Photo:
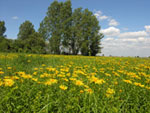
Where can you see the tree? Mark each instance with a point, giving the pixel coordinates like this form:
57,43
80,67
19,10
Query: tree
85,29
35,43
2,28
44,29
76,39
71,32
25,30
56,26
66,24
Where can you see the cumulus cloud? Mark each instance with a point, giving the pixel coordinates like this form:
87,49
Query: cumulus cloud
126,47
147,27
133,34
104,17
111,31
116,43
99,15
113,22
15,17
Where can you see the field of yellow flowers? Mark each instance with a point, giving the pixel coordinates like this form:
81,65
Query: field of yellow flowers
32,83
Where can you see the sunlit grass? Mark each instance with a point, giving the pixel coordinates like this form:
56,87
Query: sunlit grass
58,83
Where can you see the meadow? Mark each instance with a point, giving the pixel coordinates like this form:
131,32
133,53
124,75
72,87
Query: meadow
31,83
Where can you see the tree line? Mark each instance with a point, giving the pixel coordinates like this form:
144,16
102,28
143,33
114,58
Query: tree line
62,31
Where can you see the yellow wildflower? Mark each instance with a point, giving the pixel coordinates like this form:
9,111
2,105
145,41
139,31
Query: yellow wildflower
79,83
81,91
8,82
63,87
35,69
1,83
1,72
138,84
89,90
43,65
128,81
9,68
51,81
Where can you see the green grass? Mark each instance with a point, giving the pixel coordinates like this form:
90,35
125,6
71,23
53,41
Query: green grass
103,90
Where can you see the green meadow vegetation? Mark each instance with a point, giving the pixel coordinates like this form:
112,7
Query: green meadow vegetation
57,83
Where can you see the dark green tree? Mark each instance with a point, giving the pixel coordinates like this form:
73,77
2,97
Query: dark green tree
90,34
76,39
2,28
25,30
35,43
44,29
71,32
56,26
66,24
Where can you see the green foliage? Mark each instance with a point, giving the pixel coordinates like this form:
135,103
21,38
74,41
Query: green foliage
35,44
71,32
25,30
2,28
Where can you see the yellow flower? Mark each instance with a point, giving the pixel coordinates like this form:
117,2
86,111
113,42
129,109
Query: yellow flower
138,84
35,69
81,91
8,82
110,91
9,68
43,65
63,87
35,79
79,83
147,87
72,79
1,83
128,81
14,78
35,73
107,74
26,76
65,79
96,80
89,90
51,81
1,72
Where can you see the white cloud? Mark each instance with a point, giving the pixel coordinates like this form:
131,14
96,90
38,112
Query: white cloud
113,22
133,34
99,15
122,42
111,31
147,27
103,17
125,44
126,47
15,17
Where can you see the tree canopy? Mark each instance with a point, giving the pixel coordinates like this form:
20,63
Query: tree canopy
25,30
2,28
71,32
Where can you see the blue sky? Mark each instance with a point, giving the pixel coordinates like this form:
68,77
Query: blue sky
125,23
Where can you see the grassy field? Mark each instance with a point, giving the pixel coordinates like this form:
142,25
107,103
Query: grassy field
57,83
